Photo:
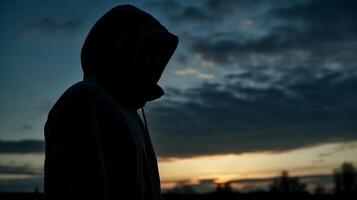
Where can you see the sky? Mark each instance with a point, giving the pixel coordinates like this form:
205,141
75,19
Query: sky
254,88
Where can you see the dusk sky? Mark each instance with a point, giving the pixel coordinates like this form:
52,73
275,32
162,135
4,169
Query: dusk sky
254,88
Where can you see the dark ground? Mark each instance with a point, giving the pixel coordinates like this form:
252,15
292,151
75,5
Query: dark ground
210,196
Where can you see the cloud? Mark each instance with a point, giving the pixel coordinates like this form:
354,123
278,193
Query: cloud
329,18
179,13
317,32
52,26
22,146
182,59
223,7
283,45
165,5
193,13
19,170
20,178
290,84
231,118
186,71
26,127
205,75
21,184
283,31
211,11
281,34
192,71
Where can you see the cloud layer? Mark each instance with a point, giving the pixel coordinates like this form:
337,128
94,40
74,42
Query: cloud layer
22,146
219,119
287,76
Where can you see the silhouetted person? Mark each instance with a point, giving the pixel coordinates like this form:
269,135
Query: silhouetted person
97,146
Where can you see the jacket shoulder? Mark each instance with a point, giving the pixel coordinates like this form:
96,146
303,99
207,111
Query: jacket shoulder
80,97
74,94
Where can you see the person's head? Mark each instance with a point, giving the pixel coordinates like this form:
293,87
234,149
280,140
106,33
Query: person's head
126,51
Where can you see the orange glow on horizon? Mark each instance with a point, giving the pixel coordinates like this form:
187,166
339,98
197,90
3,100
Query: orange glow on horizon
223,168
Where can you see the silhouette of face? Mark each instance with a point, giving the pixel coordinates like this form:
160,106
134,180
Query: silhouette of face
153,64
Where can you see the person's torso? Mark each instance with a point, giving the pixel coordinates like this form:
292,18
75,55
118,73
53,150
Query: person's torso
145,158
139,157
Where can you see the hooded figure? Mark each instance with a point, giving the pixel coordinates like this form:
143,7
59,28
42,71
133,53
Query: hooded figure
97,146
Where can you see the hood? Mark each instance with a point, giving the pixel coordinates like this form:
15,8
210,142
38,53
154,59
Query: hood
126,51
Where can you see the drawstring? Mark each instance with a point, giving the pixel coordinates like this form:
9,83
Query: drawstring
150,157
145,122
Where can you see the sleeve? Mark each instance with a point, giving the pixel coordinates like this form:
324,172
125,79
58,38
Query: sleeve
74,161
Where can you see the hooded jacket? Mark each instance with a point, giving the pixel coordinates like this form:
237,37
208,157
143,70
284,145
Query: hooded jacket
97,146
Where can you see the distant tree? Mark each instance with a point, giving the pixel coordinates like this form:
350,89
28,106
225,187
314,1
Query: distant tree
345,178
223,188
183,189
36,190
286,184
319,189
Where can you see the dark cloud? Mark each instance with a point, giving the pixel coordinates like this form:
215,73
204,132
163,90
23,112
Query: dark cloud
318,22
219,7
328,19
27,178
182,59
323,30
20,170
26,127
51,26
220,119
228,51
293,87
211,11
22,146
232,117
284,44
21,184
193,13
165,5
187,14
